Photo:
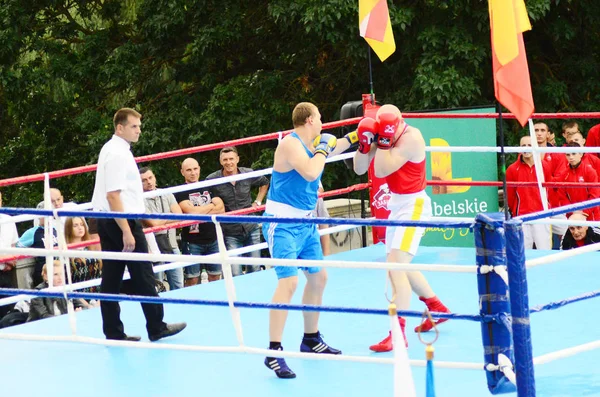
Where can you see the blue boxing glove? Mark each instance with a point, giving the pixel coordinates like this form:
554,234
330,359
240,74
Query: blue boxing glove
325,144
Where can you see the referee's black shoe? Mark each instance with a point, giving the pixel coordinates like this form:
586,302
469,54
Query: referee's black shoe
128,338
170,330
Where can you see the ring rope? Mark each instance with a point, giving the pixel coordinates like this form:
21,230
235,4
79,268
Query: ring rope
175,225
234,349
248,305
279,134
562,255
568,352
564,302
166,266
243,219
214,259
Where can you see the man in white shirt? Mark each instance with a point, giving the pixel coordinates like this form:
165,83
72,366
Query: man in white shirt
118,188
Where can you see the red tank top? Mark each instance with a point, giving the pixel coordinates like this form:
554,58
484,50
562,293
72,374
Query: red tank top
410,178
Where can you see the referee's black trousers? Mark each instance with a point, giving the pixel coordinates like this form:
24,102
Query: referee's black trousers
142,279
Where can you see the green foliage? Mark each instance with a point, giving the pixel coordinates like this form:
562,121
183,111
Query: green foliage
203,71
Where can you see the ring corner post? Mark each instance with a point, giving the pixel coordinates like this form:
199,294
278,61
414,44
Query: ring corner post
494,304
519,302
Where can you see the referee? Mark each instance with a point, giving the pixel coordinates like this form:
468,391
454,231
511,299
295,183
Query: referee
118,188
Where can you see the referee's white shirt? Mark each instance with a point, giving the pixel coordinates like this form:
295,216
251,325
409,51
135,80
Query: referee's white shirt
117,170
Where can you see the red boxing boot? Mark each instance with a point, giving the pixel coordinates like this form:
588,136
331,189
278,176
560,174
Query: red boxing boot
386,345
434,305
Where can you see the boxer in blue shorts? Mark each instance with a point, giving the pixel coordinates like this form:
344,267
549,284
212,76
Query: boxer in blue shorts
298,165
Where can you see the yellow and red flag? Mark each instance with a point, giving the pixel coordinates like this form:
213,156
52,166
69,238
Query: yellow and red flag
376,27
508,21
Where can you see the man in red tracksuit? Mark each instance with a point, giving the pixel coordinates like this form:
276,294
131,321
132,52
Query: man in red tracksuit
525,200
593,138
556,162
578,171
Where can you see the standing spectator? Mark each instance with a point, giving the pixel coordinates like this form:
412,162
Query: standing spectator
578,171
237,195
590,158
593,138
556,162
165,239
578,236
8,238
82,269
525,200
569,128
118,188
200,239
320,211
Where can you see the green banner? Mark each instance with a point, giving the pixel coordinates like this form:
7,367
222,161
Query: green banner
459,201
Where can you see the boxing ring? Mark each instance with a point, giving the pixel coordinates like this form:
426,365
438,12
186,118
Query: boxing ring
220,352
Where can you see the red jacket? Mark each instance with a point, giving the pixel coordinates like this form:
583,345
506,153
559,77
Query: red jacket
584,172
556,163
524,200
593,138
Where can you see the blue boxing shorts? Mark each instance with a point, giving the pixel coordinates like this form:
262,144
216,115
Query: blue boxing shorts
293,241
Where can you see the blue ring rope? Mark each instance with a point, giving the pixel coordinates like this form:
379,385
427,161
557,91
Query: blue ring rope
558,211
564,302
239,218
252,305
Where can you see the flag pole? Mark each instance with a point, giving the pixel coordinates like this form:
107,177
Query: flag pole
502,160
371,75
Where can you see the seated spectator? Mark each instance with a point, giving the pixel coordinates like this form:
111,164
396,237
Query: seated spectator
8,238
58,201
578,236
44,307
34,238
82,269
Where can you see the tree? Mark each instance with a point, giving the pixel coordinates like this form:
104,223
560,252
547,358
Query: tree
205,71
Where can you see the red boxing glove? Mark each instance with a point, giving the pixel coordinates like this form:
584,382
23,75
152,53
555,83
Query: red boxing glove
367,131
388,125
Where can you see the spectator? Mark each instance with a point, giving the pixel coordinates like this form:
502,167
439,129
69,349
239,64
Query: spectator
165,239
82,269
569,128
58,201
578,171
556,162
8,238
44,307
590,158
199,239
237,195
526,200
320,211
35,238
593,138
578,236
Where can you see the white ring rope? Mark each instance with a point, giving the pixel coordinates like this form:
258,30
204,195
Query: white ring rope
214,259
180,188
568,352
562,255
233,349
